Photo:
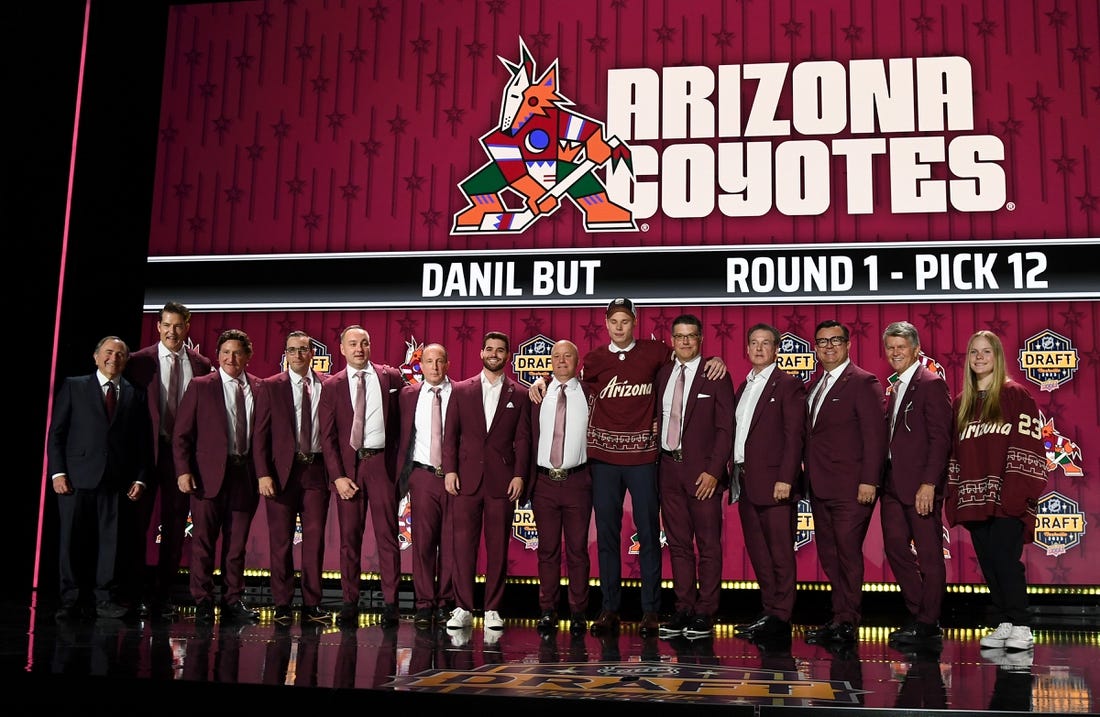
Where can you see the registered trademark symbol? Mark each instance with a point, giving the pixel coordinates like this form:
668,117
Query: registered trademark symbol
1011,206
644,227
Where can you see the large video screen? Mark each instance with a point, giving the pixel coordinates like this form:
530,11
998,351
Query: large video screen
322,164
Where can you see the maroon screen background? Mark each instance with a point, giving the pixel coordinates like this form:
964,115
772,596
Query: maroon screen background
319,127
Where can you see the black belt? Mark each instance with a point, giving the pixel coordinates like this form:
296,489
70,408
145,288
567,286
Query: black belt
306,458
238,460
365,453
560,473
431,469
676,455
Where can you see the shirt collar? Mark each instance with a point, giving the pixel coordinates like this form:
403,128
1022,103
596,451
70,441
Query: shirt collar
615,349
764,375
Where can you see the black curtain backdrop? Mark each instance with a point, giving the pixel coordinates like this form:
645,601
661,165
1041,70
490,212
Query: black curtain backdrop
104,277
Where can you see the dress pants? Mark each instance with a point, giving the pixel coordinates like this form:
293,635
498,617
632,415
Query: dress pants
312,504
228,515
470,516
921,577
563,511
840,525
610,484
694,531
377,489
999,545
769,540
430,539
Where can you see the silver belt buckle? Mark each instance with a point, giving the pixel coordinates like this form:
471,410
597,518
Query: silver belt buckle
678,455
439,472
559,473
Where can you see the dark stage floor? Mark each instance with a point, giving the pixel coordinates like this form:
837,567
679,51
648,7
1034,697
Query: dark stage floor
184,668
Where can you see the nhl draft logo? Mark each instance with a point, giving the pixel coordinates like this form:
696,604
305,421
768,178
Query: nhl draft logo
322,359
796,356
1059,524
531,360
1048,360
541,153
410,367
804,525
523,526
404,523
1060,450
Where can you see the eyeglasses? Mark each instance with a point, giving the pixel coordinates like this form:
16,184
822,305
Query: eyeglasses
685,337
291,350
831,341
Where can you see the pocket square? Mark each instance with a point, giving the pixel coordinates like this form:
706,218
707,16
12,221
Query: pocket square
771,400
394,390
509,405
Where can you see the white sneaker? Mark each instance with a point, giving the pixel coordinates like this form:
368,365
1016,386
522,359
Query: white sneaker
1020,638
459,619
994,639
461,636
493,621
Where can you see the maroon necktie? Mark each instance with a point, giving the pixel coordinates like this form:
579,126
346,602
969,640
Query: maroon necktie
110,400
674,420
240,429
437,428
356,437
557,446
172,401
305,434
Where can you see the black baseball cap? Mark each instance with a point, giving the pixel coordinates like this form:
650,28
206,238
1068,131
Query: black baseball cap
621,304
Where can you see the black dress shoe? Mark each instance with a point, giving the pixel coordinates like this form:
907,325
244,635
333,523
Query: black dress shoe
423,618
390,615
68,612
578,624
315,613
442,614
606,623
917,632
204,612
766,628
110,609
240,612
676,626
750,626
548,622
348,615
822,634
283,615
649,625
845,633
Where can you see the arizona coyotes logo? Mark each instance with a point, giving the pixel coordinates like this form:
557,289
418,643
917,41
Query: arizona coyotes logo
404,523
540,152
1060,450
410,368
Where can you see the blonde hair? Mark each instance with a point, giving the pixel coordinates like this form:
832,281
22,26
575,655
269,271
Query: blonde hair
968,399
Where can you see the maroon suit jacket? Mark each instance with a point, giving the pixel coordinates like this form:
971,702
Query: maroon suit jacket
495,455
707,436
200,444
275,439
847,446
336,413
143,369
773,447
921,443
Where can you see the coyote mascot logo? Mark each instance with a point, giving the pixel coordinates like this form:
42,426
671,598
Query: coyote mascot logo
542,152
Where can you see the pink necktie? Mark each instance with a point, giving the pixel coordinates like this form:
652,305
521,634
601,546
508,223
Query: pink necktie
172,400
110,400
674,420
305,434
557,446
356,438
818,398
436,456
240,430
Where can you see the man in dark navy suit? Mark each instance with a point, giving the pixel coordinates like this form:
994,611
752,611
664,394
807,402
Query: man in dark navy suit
97,456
